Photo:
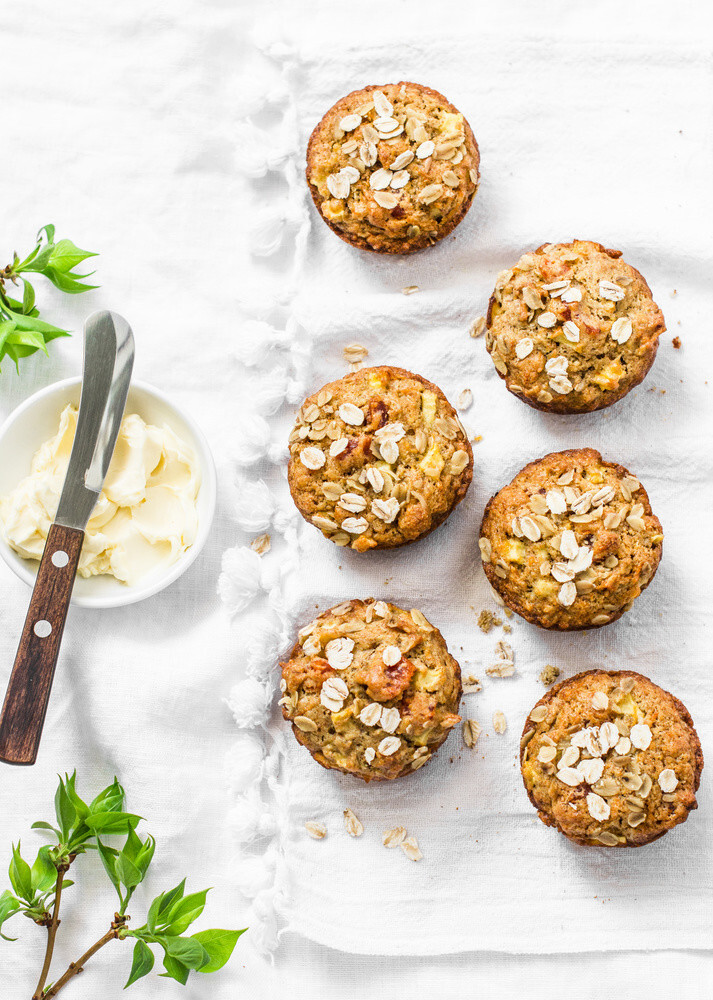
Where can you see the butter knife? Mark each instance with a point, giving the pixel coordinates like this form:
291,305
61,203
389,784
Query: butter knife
108,361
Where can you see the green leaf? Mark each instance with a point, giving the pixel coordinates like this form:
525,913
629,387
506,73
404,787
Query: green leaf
48,230
168,898
67,282
219,944
110,799
41,825
127,872
66,813
142,963
108,857
162,903
133,845
20,875
112,822
145,855
8,906
184,912
174,969
28,297
27,338
66,255
33,323
80,806
37,261
43,871
6,328
188,951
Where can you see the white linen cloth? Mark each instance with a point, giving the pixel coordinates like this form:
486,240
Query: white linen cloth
572,145
121,127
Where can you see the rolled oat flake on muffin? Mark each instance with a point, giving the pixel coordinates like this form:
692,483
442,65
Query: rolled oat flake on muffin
610,759
571,541
386,711
393,168
378,459
572,328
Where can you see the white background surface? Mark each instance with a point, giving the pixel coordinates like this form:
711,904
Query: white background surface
118,128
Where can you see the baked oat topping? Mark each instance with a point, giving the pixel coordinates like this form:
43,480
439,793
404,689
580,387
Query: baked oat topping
571,541
371,689
378,459
572,327
401,175
611,759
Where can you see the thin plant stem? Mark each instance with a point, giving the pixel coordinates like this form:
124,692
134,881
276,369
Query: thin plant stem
76,967
51,933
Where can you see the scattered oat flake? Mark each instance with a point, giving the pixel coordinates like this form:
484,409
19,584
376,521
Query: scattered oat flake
471,684
499,723
505,668
261,544
352,825
471,732
486,620
549,674
411,849
393,837
464,399
354,353
318,831
478,327
410,289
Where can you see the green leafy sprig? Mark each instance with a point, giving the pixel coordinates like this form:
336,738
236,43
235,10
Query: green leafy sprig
37,891
22,332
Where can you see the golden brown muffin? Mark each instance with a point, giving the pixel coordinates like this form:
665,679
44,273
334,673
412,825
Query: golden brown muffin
610,759
393,168
572,327
371,689
571,541
378,459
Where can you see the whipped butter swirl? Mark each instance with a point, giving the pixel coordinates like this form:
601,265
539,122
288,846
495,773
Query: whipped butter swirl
145,516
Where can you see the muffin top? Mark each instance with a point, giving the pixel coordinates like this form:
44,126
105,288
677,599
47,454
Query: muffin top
611,759
378,459
392,168
371,689
572,327
571,541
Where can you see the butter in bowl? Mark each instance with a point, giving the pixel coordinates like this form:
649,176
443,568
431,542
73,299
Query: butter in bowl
153,514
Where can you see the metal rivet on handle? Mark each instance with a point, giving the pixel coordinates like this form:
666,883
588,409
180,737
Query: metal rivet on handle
60,558
42,628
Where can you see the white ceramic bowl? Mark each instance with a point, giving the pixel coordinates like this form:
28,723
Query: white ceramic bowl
36,420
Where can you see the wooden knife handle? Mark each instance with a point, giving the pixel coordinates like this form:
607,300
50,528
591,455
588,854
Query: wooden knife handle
28,691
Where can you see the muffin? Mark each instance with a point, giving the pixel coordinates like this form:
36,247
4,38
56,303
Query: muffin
371,690
571,541
572,327
610,759
378,459
392,168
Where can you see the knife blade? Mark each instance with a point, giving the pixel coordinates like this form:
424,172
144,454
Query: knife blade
108,363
